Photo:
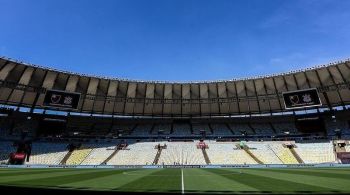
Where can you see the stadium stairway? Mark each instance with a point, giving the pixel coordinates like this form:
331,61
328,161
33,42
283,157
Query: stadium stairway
191,129
284,154
156,158
252,128
211,129
66,157
133,129
273,128
172,128
110,157
152,128
228,127
78,156
296,156
206,157
246,149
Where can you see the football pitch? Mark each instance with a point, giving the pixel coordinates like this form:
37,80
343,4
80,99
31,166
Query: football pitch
186,180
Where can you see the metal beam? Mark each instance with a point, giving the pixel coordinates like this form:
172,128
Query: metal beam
276,91
19,78
104,102
246,94
324,93
264,85
256,95
239,109
333,80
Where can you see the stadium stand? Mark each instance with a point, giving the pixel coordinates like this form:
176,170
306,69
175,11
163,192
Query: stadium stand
78,155
227,153
283,153
174,115
198,128
222,129
184,153
47,153
181,129
241,128
263,152
99,154
5,149
262,128
142,130
140,153
316,152
164,128
281,128
347,148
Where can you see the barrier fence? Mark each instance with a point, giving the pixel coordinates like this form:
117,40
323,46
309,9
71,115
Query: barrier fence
324,165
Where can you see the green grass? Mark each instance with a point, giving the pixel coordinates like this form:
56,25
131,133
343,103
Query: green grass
302,180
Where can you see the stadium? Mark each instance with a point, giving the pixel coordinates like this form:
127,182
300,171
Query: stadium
283,133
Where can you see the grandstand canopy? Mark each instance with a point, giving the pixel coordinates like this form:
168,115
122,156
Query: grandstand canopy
25,85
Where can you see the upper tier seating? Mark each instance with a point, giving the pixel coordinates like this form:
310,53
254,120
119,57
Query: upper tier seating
124,128
221,130
339,124
281,128
238,128
166,128
262,129
181,129
197,128
142,130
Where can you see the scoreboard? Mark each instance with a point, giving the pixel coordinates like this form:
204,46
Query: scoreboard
301,98
61,99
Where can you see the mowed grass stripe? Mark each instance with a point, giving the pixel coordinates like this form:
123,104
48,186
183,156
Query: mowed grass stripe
30,172
196,180
202,181
112,181
332,184
67,178
265,183
162,180
332,170
21,178
313,173
17,170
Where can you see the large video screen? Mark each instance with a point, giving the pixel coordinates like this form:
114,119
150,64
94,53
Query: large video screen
61,99
301,99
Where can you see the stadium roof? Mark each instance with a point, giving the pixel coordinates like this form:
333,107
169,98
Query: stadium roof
24,84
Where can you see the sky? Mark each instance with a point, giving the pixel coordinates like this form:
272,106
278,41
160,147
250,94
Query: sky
175,40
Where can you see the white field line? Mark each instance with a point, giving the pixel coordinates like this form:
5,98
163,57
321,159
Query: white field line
182,182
